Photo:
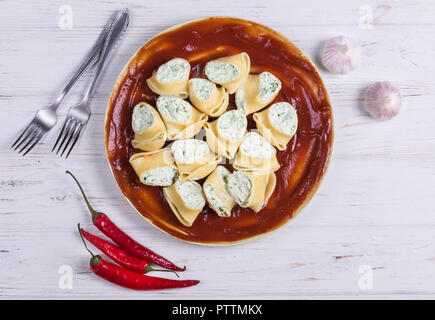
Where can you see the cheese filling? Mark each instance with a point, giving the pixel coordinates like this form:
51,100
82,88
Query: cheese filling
191,193
160,176
255,145
239,186
211,195
268,87
174,109
232,125
283,117
188,151
142,118
176,69
221,72
203,88
240,100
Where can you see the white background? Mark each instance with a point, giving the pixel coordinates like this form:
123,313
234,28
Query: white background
375,206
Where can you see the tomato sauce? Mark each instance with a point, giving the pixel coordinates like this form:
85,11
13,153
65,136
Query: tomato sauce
303,162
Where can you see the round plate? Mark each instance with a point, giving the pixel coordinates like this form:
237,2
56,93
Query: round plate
303,163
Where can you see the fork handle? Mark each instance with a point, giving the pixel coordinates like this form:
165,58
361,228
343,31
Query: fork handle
113,37
89,60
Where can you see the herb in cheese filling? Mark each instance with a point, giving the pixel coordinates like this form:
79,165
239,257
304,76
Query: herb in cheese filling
255,145
176,69
221,72
174,109
142,118
240,100
283,117
232,125
213,199
203,88
268,87
188,151
239,186
160,176
211,195
191,193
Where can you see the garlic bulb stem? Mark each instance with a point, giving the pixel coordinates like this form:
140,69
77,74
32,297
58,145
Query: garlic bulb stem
383,100
340,55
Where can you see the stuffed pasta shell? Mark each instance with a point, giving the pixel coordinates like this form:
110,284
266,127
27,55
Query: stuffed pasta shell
256,154
251,189
257,92
216,193
185,199
277,124
230,72
207,98
225,134
150,131
156,168
194,158
171,78
182,120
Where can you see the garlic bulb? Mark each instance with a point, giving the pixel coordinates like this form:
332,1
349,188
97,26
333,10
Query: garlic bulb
340,55
383,100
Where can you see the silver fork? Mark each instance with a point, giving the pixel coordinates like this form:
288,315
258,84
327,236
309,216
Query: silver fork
78,115
46,118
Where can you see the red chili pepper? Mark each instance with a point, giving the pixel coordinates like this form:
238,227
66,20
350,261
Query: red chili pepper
133,280
102,222
130,279
118,255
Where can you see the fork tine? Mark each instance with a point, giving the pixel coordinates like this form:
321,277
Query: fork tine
24,135
60,135
32,135
72,131
67,129
27,137
77,135
38,138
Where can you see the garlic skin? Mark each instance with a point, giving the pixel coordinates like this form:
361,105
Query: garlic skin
383,100
340,55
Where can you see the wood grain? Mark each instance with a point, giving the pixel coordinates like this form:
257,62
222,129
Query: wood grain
375,207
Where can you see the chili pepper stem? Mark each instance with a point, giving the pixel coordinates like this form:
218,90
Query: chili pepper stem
94,213
83,239
149,269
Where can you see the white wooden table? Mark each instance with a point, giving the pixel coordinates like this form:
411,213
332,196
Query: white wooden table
369,231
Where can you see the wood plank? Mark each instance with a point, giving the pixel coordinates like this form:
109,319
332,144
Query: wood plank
374,208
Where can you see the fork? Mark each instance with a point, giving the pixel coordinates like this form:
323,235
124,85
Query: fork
46,117
79,115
